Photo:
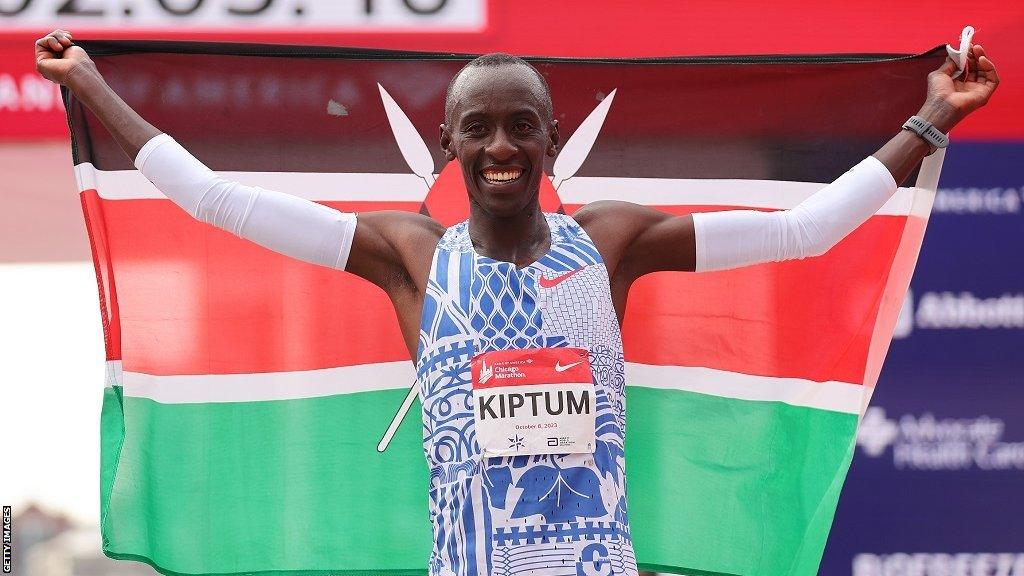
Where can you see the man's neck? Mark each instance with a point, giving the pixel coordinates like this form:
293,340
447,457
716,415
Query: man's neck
521,239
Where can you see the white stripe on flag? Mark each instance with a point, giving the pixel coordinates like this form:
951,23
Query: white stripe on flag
132,185
115,375
767,194
191,389
198,388
831,395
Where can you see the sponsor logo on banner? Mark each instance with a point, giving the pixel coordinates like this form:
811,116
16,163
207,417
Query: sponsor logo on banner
972,201
28,92
959,311
939,564
926,443
405,15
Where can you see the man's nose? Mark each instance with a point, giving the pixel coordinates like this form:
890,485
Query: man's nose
501,147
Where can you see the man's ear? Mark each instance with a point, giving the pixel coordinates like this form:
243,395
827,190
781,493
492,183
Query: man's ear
446,143
553,139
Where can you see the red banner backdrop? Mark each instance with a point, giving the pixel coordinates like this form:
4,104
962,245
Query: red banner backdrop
29,108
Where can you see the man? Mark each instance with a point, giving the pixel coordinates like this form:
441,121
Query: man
512,317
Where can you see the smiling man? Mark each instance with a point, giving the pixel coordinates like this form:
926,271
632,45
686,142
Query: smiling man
512,317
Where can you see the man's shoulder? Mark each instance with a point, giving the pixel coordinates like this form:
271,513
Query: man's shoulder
405,224
408,236
615,225
611,212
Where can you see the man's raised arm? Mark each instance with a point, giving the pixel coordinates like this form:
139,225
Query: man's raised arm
644,240
281,222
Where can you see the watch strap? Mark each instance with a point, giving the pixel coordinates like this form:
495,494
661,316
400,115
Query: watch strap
926,130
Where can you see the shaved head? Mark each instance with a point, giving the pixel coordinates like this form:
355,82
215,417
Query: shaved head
499,126
516,65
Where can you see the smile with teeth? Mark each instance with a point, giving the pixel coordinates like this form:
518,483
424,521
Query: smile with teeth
501,176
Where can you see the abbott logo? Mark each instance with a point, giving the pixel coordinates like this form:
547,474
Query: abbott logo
876,432
959,311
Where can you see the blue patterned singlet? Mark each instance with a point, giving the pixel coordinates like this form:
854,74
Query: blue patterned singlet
521,515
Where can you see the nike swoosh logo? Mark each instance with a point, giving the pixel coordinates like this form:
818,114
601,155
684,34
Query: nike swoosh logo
560,368
552,282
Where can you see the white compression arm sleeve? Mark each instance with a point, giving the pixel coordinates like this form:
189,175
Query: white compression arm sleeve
281,222
735,238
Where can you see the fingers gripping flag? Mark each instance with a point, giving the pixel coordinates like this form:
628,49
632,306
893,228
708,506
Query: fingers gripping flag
252,415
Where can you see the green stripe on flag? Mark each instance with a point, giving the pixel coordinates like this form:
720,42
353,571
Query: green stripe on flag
248,486
747,485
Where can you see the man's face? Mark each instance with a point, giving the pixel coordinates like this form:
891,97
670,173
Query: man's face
500,132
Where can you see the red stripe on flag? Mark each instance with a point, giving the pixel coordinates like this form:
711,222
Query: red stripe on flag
895,291
809,319
95,226
196,300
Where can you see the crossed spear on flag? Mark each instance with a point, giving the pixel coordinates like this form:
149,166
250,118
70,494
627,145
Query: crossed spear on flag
417,156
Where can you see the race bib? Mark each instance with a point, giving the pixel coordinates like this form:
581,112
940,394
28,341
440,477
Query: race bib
534,401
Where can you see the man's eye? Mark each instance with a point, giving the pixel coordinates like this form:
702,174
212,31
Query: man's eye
476,129
523,127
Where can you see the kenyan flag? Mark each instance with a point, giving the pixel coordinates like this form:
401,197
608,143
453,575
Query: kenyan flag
249,416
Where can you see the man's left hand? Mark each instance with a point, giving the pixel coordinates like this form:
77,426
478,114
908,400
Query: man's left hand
949,101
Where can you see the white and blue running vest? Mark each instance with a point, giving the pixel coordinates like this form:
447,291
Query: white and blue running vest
544,515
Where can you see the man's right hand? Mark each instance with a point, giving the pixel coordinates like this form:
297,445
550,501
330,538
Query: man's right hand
57,57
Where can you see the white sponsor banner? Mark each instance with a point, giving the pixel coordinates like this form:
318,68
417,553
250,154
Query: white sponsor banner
377,15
